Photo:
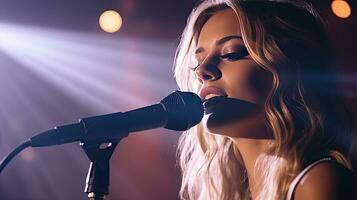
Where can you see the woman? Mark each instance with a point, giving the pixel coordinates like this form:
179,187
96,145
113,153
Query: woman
274,127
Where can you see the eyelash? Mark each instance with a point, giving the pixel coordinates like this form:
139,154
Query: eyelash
234,56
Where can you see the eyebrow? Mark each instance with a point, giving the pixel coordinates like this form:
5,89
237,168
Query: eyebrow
219,42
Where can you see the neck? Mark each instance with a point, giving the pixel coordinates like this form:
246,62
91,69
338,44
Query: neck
251,149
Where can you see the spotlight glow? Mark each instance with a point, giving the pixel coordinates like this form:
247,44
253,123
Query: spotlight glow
101,71
110,21
341,8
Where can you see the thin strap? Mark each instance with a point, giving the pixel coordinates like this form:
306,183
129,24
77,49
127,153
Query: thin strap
297,179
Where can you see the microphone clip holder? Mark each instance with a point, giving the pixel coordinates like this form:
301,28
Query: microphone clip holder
99,150
97,181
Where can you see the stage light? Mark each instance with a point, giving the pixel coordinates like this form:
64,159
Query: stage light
341,8
110,21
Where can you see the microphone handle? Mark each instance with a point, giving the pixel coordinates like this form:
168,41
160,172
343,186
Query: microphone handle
104,128
118,125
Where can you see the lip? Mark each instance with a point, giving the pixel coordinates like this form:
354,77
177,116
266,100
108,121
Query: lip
211,90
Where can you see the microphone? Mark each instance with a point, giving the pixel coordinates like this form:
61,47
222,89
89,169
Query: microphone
178,111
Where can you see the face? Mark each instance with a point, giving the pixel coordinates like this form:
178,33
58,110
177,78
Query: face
227,70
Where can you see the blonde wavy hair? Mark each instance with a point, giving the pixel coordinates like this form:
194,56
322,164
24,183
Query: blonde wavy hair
302,109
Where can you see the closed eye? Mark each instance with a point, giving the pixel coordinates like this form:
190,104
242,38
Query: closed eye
235,55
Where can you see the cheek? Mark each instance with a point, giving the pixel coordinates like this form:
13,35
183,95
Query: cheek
249,82
260,81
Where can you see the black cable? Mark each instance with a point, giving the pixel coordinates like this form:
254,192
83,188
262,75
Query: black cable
9,157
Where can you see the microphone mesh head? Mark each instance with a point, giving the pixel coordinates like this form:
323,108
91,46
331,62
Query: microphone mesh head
184,110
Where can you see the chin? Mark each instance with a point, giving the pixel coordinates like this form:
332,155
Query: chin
251,126
218,124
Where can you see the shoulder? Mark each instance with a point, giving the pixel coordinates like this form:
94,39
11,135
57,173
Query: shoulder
327,181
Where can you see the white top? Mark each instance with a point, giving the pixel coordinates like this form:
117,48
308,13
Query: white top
290,194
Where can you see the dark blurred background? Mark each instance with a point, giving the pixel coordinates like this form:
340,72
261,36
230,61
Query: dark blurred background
57,66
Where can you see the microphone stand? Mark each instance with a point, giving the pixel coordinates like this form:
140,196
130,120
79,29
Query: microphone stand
100,150
97,181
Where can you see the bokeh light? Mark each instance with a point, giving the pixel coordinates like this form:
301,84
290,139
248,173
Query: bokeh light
110,21
341,8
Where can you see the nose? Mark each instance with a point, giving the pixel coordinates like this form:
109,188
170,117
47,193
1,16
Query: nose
208,71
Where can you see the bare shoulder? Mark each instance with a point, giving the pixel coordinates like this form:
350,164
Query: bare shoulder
327,181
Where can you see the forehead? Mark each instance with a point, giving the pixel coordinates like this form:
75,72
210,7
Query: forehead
221,24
